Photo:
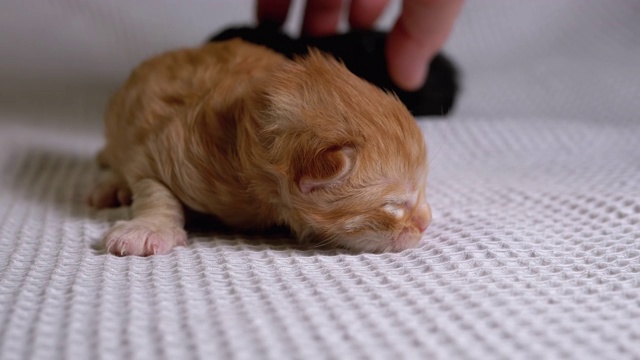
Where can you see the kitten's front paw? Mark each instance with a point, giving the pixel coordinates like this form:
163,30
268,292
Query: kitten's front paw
141,238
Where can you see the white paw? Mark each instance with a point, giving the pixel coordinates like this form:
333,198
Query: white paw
142,238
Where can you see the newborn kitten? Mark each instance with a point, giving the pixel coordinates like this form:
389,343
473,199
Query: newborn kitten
238,131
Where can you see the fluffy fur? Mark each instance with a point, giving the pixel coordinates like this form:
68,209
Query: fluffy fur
237,131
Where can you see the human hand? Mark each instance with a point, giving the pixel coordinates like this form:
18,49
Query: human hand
418,34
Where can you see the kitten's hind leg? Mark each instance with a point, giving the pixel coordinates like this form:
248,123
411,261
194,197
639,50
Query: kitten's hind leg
113,191
157,225
101,158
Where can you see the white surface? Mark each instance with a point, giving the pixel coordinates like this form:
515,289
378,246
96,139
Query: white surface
534,251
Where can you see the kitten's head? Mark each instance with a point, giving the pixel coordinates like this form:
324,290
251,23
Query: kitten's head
351,159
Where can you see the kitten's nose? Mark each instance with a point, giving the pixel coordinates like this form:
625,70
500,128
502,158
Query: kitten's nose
422,217
420,224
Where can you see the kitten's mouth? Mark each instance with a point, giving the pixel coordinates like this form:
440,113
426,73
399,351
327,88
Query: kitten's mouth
407,239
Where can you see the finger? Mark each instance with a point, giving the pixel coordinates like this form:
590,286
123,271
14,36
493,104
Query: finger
364,13
321,17
419,33
273,11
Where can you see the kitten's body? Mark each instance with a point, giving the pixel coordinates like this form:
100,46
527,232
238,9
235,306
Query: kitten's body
240,132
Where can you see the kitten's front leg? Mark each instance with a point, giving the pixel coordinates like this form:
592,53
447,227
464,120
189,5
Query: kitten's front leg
157,224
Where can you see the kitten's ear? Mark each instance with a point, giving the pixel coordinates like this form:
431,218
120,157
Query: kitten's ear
326,169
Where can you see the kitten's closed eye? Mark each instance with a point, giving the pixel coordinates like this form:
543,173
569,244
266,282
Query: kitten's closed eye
397,209
420,214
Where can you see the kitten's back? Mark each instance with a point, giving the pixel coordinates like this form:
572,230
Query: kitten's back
161,89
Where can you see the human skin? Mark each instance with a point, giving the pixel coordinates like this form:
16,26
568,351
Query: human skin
418,34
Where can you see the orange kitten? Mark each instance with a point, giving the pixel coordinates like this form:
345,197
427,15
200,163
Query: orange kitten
237,131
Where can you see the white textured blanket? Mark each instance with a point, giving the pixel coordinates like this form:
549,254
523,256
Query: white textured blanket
534,251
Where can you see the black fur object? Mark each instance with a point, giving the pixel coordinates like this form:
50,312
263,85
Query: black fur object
363,54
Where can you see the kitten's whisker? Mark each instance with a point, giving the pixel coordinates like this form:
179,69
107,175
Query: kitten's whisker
322,244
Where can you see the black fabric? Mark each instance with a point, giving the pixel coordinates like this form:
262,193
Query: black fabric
363,54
